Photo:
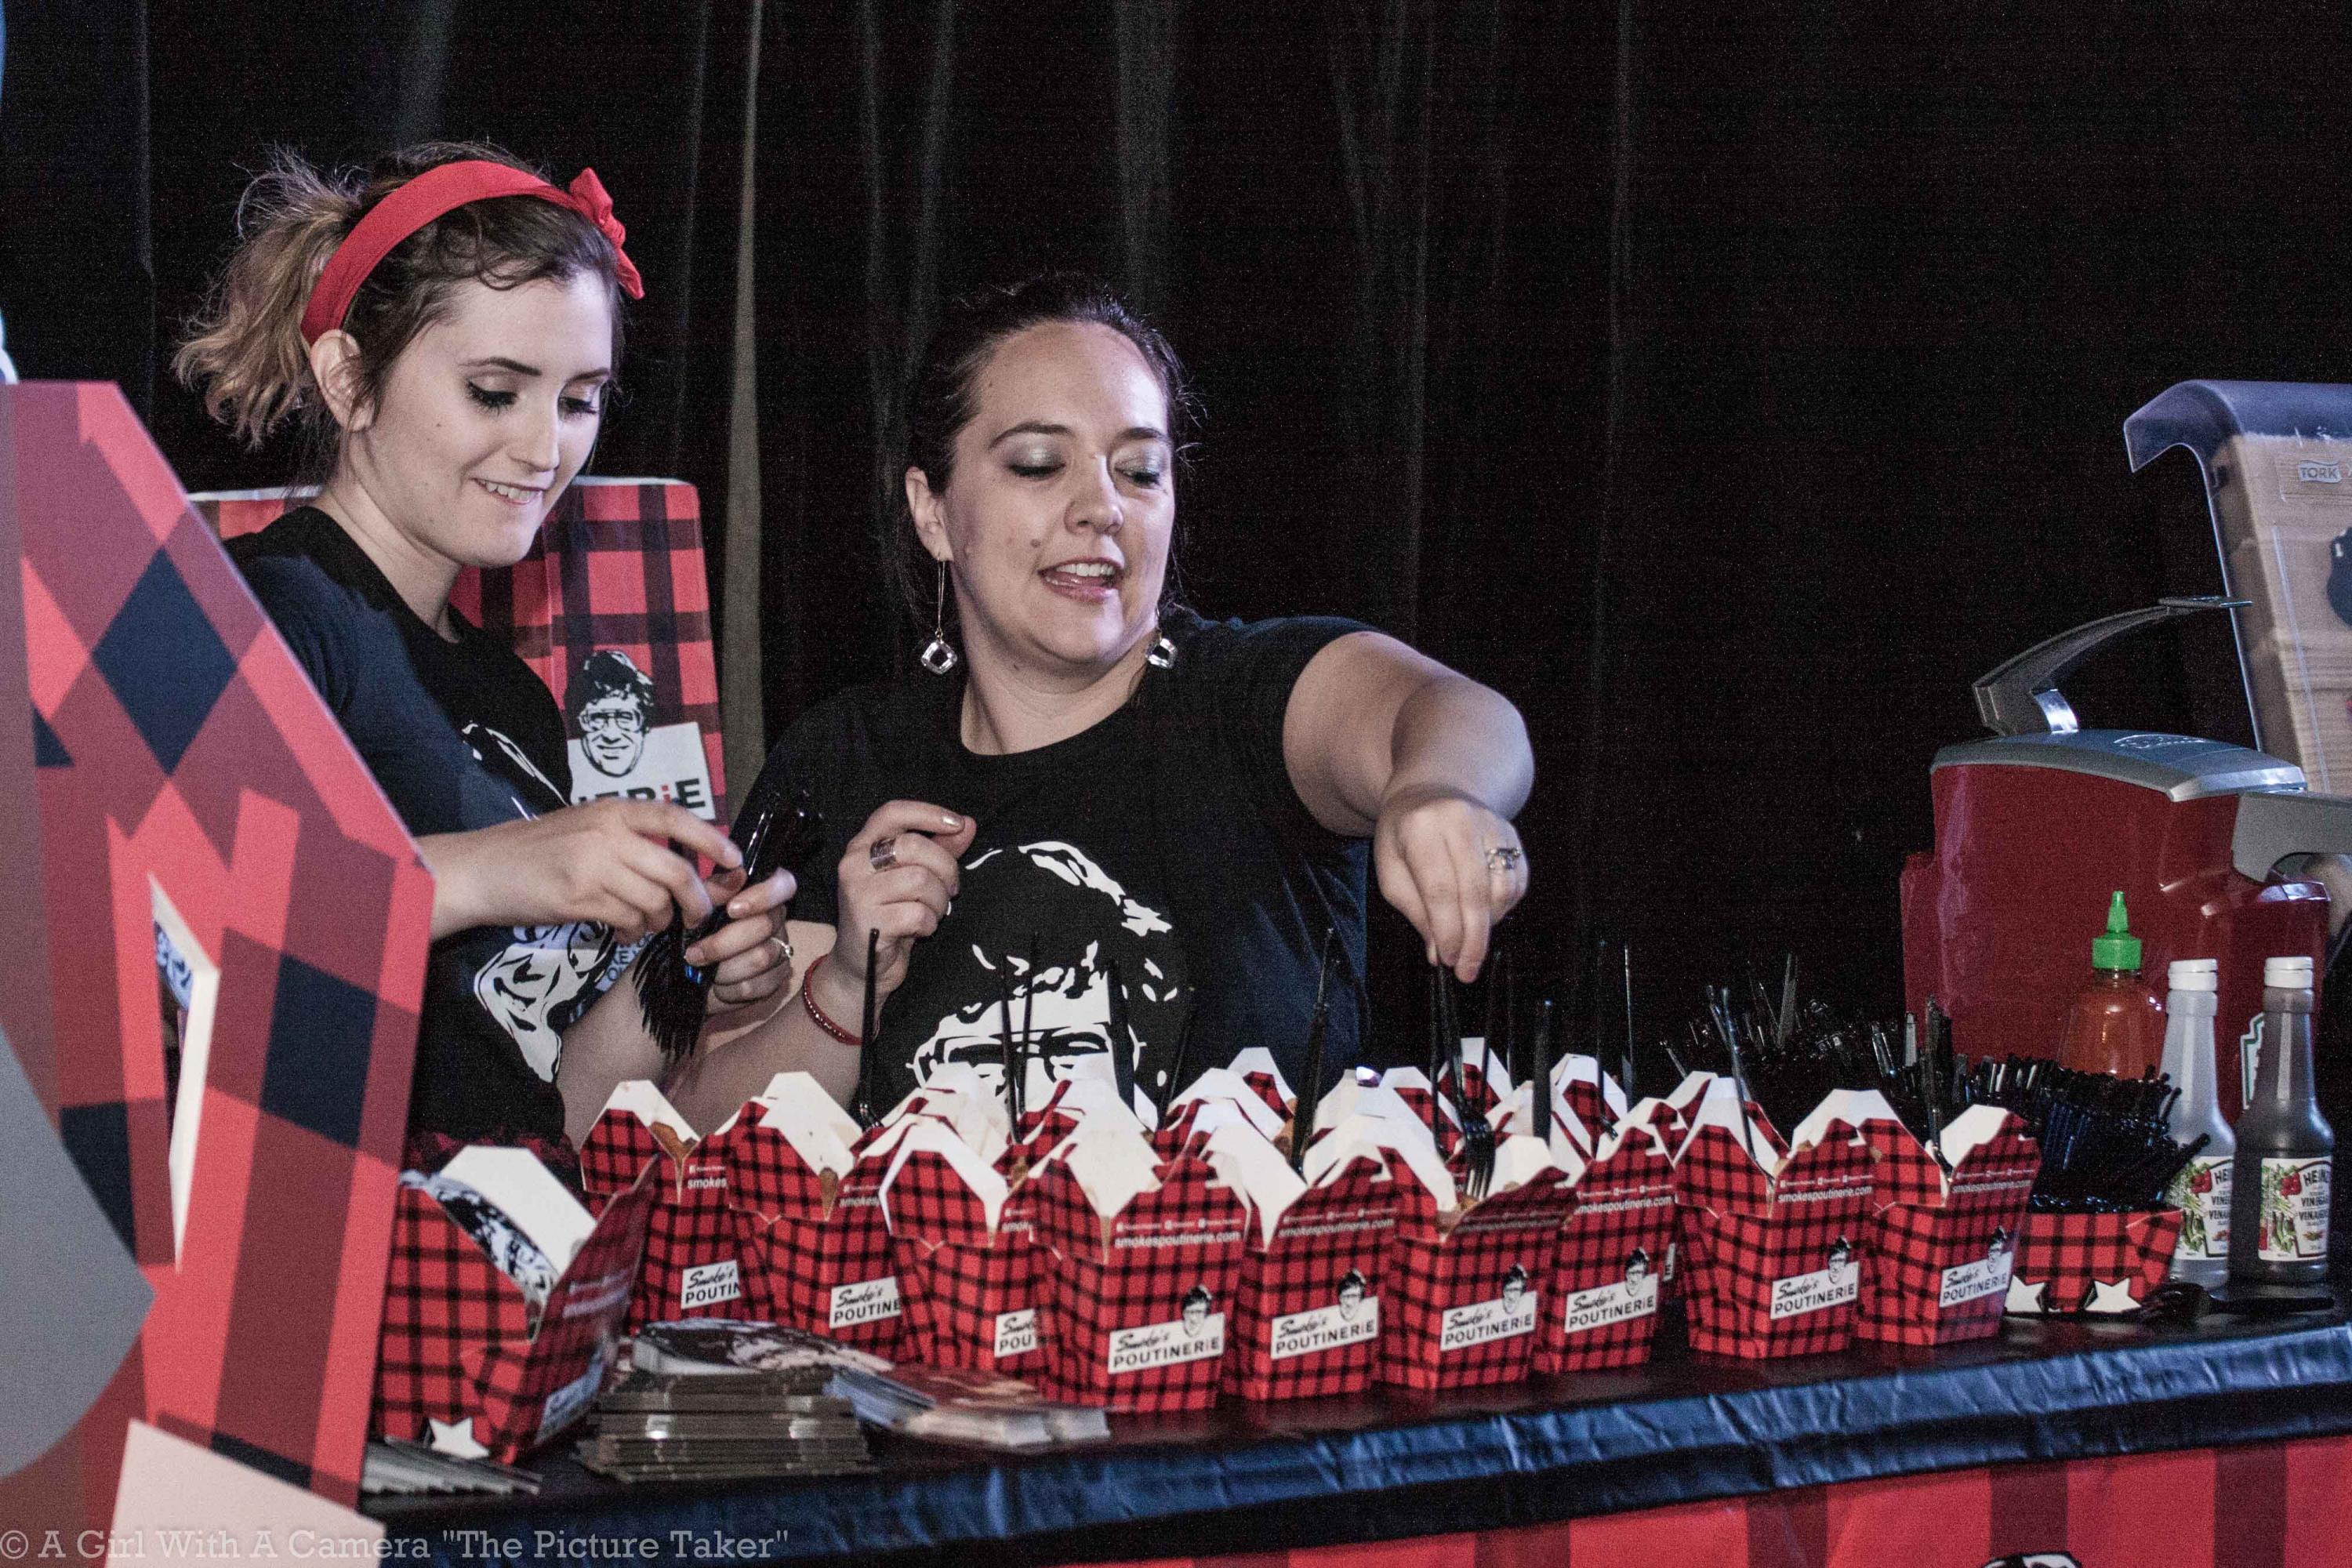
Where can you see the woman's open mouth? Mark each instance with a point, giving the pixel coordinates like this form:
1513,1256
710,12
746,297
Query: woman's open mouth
1089,581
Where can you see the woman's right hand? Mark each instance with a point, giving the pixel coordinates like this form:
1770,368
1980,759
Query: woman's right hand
609,861
905,900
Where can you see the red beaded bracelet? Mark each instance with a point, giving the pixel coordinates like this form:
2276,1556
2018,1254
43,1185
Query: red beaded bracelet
808,1000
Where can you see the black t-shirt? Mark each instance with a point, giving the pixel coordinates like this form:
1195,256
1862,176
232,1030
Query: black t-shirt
461,735
1167,837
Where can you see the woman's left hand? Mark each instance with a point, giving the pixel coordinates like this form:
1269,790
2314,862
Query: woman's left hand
752,958
1452,868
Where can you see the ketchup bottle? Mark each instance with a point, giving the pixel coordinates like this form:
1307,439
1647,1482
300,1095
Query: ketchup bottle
2117,1022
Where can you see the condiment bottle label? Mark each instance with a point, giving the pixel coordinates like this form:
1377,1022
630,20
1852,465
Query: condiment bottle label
2294,1210
2201,1192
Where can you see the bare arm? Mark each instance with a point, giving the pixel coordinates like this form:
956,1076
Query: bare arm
1385,742
739,1053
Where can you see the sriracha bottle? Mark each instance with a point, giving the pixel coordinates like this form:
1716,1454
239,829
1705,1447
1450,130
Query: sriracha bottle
2117,1022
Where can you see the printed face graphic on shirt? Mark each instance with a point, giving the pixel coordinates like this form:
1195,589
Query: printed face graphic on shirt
1351,1296
1637,1265
1197,1303
541,982
616,710
1084,919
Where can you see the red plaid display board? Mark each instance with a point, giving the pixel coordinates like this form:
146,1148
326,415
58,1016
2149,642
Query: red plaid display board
188,778
1783,1276
1139,1307
969,1293
2093,1262
1307,1314
619,566
693,1264
815,1252
1465,1295
1600,1299
1940,1258
458,1342
2266,1505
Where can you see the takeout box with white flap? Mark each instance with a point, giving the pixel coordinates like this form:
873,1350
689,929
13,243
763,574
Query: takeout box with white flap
1941,1243
1306,1311
1601,1303
1137,1294
1466,1278
963,1243
504,1304
693,1257
805,1188
1774,1244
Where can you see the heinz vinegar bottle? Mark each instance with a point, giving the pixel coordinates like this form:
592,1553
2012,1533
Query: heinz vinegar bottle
2202,1191
2286,1162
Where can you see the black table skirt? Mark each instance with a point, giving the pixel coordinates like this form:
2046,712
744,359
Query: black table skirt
1382,1466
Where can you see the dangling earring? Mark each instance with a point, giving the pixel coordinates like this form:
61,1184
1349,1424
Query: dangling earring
939,655
1162,655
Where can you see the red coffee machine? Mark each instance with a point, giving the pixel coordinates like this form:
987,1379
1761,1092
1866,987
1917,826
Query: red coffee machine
2037,826
2219,850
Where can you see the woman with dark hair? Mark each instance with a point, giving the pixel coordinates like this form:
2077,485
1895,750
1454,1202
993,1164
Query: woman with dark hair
444,331
1091,785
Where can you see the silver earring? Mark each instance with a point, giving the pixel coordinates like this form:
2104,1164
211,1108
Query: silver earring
1162,655
939,655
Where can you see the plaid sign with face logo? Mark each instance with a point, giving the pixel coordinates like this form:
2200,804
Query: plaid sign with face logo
612,609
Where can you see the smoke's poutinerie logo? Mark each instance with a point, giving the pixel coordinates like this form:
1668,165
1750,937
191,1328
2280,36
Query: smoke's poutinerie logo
1352,1318
1635,1296
1198,1335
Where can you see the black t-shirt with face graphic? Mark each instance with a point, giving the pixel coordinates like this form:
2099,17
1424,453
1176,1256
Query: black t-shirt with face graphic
461,735
1167,837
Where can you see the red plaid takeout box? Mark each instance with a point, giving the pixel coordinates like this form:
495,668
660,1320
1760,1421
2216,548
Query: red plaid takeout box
467,1361
2092,1262
1137,1294
1775,1253
1600,1303
1940,1247
693,1266
1307,1314
1578,1085
963,1243
1466,1281
805,1188
1217,1098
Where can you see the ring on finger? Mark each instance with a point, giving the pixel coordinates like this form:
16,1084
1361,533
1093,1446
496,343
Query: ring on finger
1505,858
783,946
883,852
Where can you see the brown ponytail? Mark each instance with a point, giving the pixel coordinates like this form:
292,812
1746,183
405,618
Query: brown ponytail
244,351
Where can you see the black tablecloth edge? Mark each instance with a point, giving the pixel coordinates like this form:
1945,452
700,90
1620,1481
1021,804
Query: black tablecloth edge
1489,1471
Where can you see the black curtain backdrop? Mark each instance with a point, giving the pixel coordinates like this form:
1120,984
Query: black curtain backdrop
1728,385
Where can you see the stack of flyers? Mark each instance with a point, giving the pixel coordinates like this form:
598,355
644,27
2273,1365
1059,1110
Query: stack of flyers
715,1425
396,1466
712,1347
950,1404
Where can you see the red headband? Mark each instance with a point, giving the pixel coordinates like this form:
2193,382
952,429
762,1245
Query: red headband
428,197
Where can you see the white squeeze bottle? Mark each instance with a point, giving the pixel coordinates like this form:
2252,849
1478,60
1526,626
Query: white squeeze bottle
2202,1191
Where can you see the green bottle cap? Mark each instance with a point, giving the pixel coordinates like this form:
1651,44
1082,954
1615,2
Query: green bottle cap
2118,949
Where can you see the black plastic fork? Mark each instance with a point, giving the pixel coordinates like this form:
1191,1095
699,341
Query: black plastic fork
1478,1132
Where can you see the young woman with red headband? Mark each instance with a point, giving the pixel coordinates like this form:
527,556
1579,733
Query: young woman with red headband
444,332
